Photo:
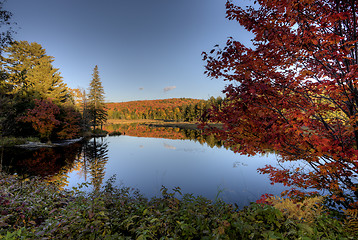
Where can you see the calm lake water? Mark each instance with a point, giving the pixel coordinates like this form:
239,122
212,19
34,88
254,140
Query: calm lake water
148,163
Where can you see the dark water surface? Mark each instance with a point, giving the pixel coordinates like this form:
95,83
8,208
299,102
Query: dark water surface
147,164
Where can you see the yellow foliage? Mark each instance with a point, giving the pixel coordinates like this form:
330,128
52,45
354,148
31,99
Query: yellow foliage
351,222
306,211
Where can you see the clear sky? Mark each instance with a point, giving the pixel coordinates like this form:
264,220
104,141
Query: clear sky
144,49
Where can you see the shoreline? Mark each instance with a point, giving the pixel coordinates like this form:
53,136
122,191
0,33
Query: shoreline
35,145
162,123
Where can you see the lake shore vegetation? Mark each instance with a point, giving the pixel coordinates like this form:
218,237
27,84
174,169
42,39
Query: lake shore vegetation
295,91
33,209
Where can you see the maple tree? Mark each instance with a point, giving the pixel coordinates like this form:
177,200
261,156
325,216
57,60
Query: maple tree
294,91
43,117
52,121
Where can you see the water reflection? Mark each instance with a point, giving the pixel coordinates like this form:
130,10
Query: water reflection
148,163
94,159
169,146
51,164
143,130
88,159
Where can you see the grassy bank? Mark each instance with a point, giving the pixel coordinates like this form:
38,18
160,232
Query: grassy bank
31,209
160,123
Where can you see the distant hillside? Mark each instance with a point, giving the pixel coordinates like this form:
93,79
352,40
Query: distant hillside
171,109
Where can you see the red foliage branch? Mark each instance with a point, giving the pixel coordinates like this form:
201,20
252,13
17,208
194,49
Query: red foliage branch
42,117
49,119
295,91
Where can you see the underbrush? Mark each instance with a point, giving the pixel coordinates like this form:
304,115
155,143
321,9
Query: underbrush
32,209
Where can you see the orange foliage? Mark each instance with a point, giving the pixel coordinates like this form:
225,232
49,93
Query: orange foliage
149,109
42,117
146,131
49,119
295,90
70,123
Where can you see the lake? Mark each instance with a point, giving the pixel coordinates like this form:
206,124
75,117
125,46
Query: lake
148,163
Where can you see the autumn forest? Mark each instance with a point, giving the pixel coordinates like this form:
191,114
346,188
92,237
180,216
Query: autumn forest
291,94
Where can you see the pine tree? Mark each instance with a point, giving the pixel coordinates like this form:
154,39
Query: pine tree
30,72
96,103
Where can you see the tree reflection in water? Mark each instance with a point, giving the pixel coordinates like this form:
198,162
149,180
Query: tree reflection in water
50,164
88,158
55,164
94,159
142,130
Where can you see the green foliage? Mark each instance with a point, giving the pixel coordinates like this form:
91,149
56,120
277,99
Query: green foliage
31,209
32,90
30,72
96,107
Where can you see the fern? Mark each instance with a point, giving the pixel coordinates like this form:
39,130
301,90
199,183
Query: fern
306,211
351,222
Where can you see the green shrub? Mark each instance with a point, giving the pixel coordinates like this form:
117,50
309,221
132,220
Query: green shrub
33,209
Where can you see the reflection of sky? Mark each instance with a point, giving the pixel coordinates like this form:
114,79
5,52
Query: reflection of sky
149,163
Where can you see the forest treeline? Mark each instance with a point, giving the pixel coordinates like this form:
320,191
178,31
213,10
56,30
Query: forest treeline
36,102
176,109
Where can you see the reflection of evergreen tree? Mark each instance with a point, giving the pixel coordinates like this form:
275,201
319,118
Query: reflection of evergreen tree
198,136
95,159
210,140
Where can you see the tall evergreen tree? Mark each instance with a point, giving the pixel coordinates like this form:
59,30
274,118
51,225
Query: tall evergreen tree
96,102
30,72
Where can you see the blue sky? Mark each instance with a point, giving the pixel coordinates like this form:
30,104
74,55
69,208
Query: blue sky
145,49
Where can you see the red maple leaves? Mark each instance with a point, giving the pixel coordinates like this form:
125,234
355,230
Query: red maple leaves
46,117
294,91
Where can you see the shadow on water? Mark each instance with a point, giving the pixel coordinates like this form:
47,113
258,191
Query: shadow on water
55,164
43,162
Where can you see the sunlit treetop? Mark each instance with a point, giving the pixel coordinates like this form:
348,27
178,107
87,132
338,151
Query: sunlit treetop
30,70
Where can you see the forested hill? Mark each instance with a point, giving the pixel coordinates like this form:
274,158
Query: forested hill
186,109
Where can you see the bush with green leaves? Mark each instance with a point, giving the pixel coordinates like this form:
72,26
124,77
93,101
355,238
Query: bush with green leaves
33,209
